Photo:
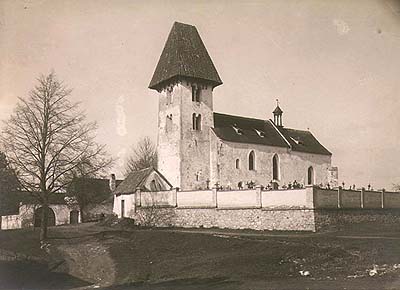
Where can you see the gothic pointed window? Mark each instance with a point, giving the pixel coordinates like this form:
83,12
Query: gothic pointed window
275,168
252,161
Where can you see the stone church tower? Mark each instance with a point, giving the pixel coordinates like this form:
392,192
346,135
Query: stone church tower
185,77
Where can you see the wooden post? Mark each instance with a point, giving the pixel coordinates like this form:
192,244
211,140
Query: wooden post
383,198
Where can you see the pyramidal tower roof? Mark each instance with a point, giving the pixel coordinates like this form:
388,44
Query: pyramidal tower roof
184,55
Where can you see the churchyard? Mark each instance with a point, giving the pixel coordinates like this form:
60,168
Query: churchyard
118,255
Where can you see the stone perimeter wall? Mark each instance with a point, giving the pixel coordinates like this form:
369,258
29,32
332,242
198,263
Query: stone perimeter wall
255,219
309,209
336,218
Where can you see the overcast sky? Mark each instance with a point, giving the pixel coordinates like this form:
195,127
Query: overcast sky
334,65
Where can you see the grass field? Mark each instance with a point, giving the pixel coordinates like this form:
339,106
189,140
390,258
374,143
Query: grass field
117,258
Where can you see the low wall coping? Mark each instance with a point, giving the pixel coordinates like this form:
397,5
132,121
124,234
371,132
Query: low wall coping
238,208
195,207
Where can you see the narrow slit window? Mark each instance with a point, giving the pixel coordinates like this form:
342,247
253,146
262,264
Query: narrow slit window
237,164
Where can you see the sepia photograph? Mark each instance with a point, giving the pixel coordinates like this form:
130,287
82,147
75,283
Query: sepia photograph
210,144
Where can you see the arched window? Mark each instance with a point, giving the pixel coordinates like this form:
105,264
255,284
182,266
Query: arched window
310,175
237,164
252,161
275,168
196,122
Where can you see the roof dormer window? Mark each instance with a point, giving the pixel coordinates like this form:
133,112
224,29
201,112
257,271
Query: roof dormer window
296,140
260,133
237,129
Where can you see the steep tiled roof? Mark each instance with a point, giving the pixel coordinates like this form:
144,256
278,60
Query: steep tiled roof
303,141
224,128
139,179
184,55
264,132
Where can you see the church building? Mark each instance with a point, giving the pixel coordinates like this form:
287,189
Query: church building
199,148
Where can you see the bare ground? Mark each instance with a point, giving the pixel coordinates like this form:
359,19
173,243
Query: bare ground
120,258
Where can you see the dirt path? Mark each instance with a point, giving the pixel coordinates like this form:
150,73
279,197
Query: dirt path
236,233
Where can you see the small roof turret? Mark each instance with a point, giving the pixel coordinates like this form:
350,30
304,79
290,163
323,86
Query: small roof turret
278,115
184,56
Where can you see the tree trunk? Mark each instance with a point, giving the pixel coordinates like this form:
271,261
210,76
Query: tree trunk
43,226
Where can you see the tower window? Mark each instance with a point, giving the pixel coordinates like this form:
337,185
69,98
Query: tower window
252,160
168,123
275,167
196,93
237,164
169,95
196,122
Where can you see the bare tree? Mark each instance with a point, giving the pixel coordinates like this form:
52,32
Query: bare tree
144,155
47,138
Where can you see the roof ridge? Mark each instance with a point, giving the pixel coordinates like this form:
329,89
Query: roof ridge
300,130
241,117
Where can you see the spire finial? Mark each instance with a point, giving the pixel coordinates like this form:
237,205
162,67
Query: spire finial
277,102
